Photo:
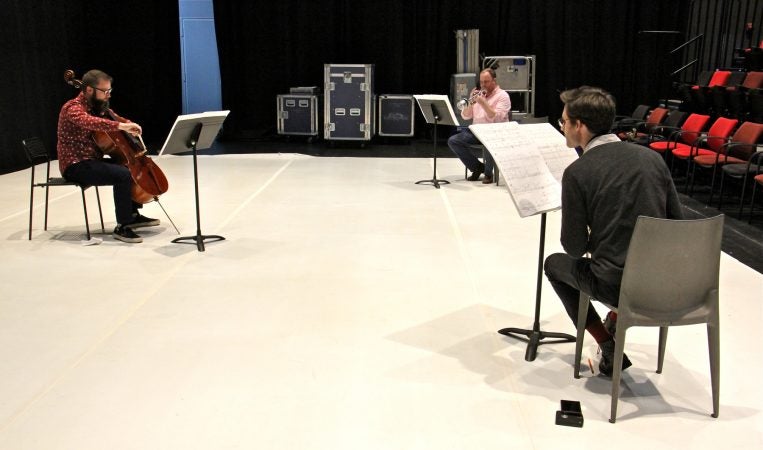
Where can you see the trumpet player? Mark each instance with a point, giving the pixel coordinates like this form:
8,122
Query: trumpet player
488,104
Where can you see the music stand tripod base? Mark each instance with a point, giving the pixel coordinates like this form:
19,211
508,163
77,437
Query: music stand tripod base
434,182
198,239
534,338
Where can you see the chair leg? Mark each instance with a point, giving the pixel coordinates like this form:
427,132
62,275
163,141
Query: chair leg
741,195
31,204
720,193
712,185
713,341
84,207
661,348
583,303
47,188
749,219
617,368
100,211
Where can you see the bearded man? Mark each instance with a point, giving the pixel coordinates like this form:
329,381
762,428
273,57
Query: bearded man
80,160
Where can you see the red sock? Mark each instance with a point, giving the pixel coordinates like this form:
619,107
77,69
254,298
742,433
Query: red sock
598,332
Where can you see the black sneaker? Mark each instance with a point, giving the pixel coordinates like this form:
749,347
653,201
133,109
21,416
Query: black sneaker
140,221
475,176
610,323
125,234
608,356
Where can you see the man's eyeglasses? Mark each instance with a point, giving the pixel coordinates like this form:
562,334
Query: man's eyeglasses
562,121
105,91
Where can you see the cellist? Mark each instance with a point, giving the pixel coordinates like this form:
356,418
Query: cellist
80,159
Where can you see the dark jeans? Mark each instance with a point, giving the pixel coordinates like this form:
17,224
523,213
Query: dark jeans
568,276
103,173
460,144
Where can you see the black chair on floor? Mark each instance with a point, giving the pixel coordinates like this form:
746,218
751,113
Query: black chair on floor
36,153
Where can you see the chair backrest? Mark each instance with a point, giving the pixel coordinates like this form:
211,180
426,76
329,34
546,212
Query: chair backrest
753,80
35,150
656,117
719,78
720,131
671,270
640,112
735,78
704,77
692,127
748,133
675,119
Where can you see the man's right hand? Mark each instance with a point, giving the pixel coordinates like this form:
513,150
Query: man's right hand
131,127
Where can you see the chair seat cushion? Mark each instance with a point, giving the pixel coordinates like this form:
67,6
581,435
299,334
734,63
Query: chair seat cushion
686,150
663,146
709,160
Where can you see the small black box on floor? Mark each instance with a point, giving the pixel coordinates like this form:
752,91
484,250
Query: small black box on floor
570,415
396,115
298,114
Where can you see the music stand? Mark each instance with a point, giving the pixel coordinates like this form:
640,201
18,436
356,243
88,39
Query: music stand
437,111
193,132
532,159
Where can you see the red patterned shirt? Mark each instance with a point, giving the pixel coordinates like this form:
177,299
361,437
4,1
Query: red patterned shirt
75,132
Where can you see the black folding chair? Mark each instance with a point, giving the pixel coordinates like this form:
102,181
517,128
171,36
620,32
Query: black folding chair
36,153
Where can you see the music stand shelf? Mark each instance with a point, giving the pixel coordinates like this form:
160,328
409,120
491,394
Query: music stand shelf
195,132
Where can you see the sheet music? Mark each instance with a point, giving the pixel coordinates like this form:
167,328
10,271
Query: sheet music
532,159
442,103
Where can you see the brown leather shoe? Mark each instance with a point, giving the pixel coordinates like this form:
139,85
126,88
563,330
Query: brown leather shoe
487,180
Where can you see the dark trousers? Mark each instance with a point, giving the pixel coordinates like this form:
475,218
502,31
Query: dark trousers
568,276
460,144
103,173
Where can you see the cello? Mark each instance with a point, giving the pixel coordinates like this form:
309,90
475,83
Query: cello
148,179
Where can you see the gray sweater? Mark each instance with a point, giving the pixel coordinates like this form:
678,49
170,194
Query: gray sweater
603,192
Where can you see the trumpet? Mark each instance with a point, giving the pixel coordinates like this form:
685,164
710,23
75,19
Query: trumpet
467,102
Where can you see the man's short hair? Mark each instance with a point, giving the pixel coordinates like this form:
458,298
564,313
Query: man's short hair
490,71
592,106
93,77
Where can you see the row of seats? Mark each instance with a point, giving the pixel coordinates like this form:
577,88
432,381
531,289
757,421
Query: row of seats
730,93
725,148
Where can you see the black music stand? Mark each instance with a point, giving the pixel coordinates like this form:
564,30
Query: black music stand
528,187
437,111
194,132
534,337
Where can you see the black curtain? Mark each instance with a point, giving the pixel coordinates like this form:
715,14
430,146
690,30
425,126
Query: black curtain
138,43
267,47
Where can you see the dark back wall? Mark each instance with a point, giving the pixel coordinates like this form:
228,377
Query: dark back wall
135,42
267,47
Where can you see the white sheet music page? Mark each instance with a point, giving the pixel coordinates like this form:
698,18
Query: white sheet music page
532,159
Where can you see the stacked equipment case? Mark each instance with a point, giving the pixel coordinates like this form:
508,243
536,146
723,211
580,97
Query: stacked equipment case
396,115
298,113
348,102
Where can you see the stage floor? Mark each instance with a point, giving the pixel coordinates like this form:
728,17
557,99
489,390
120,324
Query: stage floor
347,308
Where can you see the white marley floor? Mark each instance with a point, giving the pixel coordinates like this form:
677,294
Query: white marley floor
348,308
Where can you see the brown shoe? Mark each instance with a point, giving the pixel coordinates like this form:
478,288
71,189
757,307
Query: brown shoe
487,180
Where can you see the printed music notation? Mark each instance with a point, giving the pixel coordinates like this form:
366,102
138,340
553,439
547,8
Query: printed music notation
532,159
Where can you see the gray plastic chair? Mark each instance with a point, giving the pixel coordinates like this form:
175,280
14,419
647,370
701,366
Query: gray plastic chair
670,278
